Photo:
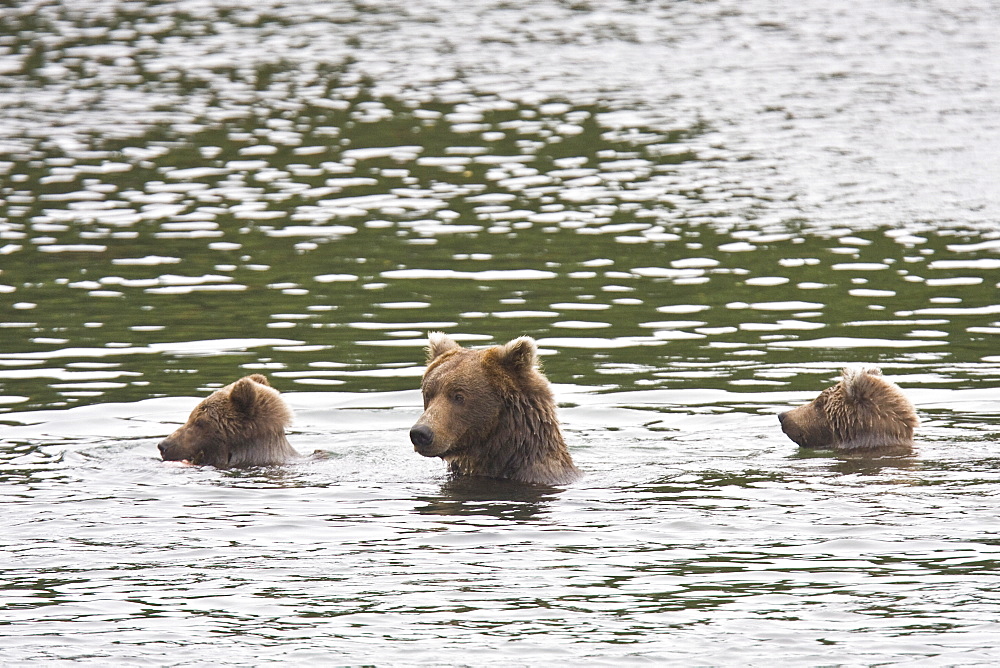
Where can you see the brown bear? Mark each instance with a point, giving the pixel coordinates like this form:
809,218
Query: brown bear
243,424
491,413
864,412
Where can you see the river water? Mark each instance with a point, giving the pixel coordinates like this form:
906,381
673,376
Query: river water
701,211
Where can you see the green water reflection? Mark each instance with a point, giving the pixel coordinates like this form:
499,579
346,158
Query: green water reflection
336,253
294,219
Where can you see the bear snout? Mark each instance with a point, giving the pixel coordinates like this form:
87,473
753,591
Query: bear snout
172,450
422,437
169,450
781,418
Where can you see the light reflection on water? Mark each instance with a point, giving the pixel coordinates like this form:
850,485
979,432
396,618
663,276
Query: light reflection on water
698,533
700,210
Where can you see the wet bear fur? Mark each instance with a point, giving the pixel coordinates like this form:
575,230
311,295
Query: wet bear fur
242,424
490,412
864,412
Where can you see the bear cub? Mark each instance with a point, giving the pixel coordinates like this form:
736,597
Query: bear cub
490,412
242,424
864,412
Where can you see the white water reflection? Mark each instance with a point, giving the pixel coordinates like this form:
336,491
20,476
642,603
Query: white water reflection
488,275
848,342
700,507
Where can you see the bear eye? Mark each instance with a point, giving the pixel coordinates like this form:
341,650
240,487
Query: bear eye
458,397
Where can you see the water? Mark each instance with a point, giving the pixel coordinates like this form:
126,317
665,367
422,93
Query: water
700,210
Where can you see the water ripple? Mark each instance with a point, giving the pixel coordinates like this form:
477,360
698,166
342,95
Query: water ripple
701,211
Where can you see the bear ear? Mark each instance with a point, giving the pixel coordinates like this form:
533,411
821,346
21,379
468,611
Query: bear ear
244,395
258,378
864,370
438,344
521,354
859,382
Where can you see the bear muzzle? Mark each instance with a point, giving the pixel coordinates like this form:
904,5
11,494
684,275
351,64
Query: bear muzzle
427,443
422,438
164,448
791,429
807,427
172,451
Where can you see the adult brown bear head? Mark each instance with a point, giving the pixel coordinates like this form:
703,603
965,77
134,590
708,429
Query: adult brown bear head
491,412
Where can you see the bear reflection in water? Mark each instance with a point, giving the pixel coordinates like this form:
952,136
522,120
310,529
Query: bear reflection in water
862,413
491,412
242,424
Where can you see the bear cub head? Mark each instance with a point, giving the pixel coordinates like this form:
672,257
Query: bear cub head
491,412
242,424
863,412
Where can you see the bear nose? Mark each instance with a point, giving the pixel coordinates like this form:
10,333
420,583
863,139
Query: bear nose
782,416
421,436
162,447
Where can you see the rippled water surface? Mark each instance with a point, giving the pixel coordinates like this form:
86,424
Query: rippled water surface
701,211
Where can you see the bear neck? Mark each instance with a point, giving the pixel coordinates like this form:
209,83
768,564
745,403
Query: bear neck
526,445
889,436
261,448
